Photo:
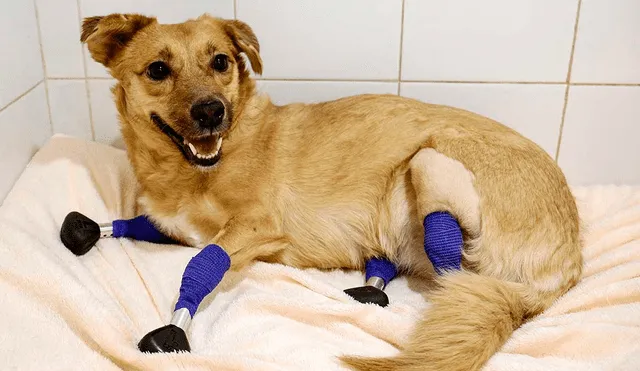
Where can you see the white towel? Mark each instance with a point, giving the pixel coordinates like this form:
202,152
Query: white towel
63,312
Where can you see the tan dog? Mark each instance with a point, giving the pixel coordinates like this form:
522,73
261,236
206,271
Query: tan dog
331,185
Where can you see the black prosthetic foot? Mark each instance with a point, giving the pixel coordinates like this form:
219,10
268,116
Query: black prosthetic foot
369,294
166,339
79,233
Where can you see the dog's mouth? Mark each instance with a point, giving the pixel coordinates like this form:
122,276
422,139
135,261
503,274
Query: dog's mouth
204,151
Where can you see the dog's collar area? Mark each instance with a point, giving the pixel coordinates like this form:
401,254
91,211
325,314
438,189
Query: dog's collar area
187,149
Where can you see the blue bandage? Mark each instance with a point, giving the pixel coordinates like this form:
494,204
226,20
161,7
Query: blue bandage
443,241
139,228
201,276
381,268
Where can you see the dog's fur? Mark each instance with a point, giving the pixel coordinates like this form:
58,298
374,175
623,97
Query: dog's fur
330,185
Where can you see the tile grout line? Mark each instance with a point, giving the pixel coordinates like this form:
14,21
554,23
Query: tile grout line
44,67
604,84
86,79
412,81
486,82
407,81
401,42
21,95
562,117
81,78
568,80
235,9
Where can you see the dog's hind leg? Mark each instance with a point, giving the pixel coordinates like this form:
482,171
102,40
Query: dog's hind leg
444,184
475,310
447,338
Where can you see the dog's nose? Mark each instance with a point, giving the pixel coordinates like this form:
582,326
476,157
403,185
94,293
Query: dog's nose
208,114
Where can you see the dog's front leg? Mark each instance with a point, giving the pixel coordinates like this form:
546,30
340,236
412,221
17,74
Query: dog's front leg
242,240
249,238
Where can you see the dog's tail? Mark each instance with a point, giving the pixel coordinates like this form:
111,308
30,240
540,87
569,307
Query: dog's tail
470,318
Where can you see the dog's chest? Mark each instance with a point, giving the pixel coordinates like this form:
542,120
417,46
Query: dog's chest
179,225
184,222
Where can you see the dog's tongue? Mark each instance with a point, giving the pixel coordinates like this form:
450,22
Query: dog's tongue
205,145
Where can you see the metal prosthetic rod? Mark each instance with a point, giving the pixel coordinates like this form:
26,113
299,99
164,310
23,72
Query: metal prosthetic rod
201,276
79,233
376,282
379,272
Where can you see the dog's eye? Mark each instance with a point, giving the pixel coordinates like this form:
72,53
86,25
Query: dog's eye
158,71
220,63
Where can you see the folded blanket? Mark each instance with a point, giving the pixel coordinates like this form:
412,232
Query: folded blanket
63,312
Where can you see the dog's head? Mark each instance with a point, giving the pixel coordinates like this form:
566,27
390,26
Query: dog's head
185,80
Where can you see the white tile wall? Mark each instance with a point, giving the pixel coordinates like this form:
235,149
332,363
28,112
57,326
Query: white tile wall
167,11
21,62
489,40
25,127
70,108
533,110
601,132
104,113
24,116
608,42
313,40
283,92
59,25
506,59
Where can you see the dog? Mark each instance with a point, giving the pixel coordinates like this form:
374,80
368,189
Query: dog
332,184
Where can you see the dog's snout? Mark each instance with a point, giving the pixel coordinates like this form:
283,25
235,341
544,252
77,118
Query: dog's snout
208,114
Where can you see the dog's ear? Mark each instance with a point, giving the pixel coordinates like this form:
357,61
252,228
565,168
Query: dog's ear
246,41
107,36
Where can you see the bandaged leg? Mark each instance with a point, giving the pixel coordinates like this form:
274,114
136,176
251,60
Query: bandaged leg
79,233
378,272
201,276
448,203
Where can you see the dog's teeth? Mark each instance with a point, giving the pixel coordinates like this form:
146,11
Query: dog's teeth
193,149
202,156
